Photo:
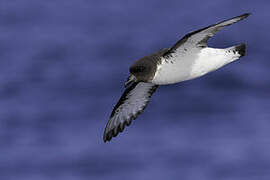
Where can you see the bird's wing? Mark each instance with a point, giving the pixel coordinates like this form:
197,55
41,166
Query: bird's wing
131,104
199,38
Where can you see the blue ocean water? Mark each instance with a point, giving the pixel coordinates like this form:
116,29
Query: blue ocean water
62,68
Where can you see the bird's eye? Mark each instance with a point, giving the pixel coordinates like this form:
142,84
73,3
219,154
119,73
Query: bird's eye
137,69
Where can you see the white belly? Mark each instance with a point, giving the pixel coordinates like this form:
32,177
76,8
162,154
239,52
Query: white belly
191,64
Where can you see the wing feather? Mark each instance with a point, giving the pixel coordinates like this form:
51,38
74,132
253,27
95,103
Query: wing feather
200,37
133,101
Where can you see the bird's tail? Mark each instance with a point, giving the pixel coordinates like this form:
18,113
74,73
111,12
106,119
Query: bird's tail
239,50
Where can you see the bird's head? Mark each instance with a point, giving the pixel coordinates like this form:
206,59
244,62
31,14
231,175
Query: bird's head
142,71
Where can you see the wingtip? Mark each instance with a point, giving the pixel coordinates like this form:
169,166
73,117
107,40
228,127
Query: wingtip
245,15
107,137
105,140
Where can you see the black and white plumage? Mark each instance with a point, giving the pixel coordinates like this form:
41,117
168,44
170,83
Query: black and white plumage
189,58
131,104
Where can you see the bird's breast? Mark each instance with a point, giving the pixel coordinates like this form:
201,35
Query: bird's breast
185,66
169,72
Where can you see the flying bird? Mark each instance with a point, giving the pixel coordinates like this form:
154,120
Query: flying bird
187,59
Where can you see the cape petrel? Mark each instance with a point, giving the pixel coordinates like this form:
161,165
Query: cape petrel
189,58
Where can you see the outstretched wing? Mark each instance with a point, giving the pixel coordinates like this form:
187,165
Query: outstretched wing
200,37
131,104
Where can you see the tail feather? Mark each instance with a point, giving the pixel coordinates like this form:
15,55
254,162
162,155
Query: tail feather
237,51
240,49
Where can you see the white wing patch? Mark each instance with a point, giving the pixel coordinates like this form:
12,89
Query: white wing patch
131,104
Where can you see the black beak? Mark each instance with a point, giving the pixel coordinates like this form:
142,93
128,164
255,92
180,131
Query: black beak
130,80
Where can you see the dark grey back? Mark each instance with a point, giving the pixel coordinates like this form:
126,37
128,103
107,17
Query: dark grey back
144,69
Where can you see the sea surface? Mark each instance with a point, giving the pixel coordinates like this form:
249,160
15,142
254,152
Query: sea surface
62,68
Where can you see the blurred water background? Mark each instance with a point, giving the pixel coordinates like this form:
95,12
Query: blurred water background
62,68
